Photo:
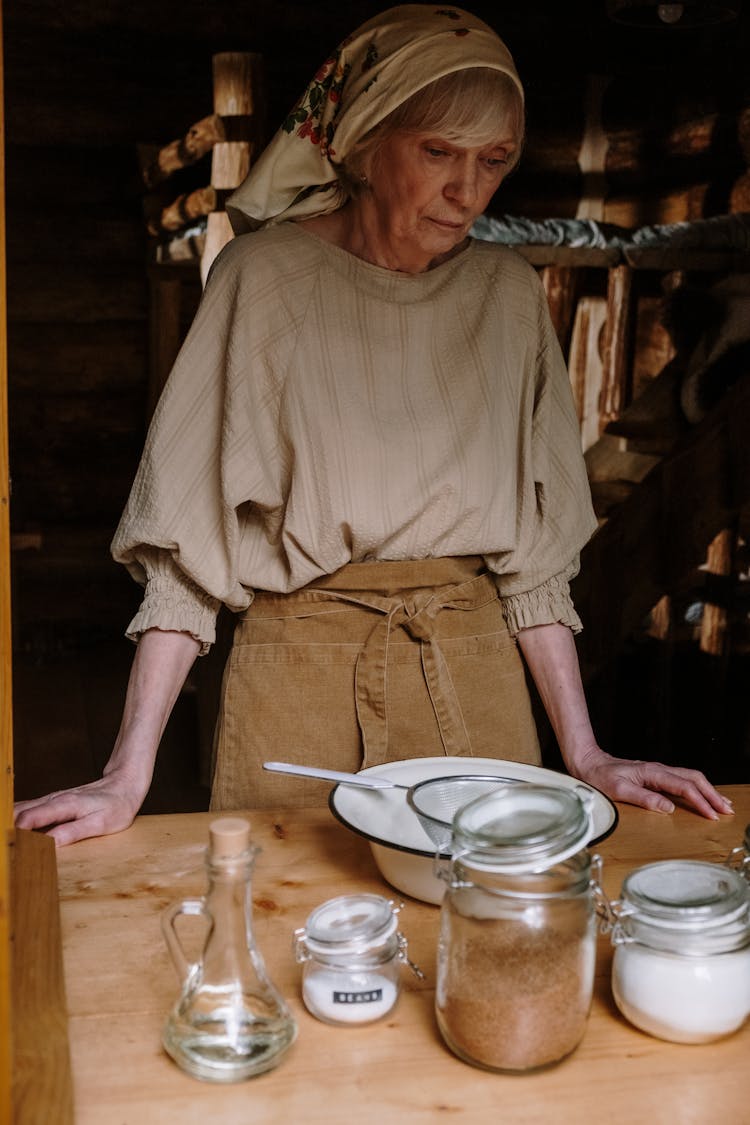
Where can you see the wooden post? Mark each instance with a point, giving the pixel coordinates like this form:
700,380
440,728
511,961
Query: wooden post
165,330
237,86
6,697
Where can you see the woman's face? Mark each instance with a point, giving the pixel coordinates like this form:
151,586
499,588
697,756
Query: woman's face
428,191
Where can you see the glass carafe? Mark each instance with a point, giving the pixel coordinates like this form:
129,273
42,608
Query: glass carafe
229,1021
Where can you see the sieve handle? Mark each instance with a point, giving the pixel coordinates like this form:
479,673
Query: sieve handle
337,776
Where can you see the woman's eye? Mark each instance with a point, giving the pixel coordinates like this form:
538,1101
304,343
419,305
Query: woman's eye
496,161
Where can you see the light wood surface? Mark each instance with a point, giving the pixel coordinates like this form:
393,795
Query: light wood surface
121,984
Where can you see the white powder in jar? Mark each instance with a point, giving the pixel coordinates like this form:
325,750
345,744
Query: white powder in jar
353,997
682,998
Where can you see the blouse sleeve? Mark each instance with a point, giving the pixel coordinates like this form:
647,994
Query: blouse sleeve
555,516
180,532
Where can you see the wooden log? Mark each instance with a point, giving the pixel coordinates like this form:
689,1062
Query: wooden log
617,345
157,164
585,365
237,88
660,619
715,619
186,208
562,286
199,139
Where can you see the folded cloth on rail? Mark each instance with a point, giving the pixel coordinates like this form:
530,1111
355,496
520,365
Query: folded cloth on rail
722,232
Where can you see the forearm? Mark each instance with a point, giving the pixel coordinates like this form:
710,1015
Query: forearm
160,666
550,654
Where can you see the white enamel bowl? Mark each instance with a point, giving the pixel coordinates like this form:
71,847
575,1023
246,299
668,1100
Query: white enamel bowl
401,848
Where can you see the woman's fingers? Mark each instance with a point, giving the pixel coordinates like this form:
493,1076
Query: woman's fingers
654,786
75,814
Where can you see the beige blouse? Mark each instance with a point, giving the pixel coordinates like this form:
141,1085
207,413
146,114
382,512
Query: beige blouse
324,410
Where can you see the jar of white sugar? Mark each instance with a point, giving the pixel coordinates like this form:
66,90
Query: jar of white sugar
352,952
681,968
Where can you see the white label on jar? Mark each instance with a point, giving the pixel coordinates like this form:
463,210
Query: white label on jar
358,997
370,996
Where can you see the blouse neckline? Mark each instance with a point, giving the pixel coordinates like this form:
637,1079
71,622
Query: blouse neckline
380,281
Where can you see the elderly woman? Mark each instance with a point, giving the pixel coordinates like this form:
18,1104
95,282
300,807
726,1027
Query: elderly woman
367,449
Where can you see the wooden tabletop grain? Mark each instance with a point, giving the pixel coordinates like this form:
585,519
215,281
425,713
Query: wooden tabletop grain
121,984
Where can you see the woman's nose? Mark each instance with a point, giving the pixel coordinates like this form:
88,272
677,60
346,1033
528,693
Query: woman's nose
463,185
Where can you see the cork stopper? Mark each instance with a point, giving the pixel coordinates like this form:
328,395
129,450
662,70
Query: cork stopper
229,837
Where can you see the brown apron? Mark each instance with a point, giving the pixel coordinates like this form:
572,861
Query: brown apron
377,662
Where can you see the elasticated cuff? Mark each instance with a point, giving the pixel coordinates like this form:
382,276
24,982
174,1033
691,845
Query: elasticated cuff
176,607
544,605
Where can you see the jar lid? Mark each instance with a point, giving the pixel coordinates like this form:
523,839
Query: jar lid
522,828
685,894
350,924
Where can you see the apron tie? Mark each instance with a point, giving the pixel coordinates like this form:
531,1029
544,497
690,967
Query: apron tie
417,614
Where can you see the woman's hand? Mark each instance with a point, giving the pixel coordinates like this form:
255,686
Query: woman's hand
162,661
650,785
97,809
550,652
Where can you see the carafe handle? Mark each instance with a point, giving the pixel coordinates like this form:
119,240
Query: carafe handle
193,906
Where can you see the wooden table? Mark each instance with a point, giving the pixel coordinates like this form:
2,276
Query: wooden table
120,985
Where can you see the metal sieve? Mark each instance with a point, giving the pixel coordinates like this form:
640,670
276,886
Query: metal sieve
436,800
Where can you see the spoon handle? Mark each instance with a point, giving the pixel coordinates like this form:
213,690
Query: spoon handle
333,775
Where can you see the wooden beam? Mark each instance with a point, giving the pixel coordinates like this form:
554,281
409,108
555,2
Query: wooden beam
238,87
42,1081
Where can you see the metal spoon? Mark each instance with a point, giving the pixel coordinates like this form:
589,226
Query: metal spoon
341,778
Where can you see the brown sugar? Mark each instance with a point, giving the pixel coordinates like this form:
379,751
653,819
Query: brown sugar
514,995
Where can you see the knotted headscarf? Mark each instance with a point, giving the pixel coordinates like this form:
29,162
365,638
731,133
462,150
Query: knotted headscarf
373,71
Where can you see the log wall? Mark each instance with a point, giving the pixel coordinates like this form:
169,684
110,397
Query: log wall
88,83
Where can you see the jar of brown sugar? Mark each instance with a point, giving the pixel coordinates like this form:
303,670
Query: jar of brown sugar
517,944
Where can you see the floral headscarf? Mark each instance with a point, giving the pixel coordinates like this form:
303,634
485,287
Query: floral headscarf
372,72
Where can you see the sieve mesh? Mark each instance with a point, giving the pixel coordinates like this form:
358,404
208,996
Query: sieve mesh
437,800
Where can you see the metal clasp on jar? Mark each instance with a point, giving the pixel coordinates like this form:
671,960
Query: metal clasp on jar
739,860
403,945
604,908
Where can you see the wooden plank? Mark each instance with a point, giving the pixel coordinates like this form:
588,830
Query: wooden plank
109,358
569,256
82,293
42,1081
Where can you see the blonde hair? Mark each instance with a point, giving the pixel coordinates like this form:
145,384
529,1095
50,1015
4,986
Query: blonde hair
470,107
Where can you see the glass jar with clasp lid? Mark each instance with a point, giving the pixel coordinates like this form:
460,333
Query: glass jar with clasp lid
739,857
352,952
517,945
681,969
